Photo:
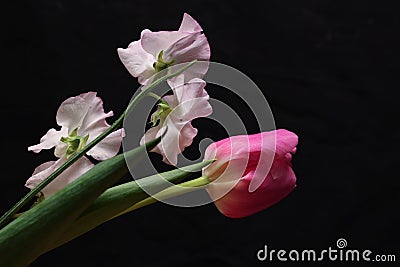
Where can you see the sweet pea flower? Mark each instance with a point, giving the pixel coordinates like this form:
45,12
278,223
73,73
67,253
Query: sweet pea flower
156,51
82,119
72,173
263,158
189,101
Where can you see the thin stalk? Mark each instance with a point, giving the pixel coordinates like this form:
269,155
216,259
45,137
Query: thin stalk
172,191
29,196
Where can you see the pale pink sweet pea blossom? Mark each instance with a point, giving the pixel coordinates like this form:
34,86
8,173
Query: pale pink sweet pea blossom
82,119
238,162
43,171
156,51
188,102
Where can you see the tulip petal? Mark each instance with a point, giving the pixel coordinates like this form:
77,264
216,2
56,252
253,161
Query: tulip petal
268,175
286,142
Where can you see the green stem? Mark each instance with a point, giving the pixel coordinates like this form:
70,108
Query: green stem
173,191
29,196
154,95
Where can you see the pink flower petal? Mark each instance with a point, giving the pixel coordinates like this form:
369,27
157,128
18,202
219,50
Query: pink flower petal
49,140
137,61
108,147
155,42
184,45
95,117
72,173
267,176
176,139
84,112
189,101
72,111
188,24
190,47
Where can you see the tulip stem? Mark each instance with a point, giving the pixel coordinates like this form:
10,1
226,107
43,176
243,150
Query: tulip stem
173,191
154,95
118,123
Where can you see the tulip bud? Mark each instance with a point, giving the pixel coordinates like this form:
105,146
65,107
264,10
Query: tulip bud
252,172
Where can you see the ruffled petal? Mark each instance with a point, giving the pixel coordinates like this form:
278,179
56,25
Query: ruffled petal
95,117
49,140
155,42
188,102
72,111
191,102
188,48
176,139
137,61
108,147
188,24
81,166
186,136
191,47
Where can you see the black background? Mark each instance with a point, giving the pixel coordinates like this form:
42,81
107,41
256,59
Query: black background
329,70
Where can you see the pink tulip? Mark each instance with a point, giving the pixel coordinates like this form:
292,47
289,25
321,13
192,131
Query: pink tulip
252,172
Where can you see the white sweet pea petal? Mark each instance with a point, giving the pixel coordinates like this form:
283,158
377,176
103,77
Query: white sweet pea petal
137,61
188,48
188,102
71,112
188,24
80,117
81,112
156,51
60,150
95,117
108,147
43,171
155,42
49,140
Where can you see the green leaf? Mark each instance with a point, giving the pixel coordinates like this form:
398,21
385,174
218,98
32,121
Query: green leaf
119,198
28,236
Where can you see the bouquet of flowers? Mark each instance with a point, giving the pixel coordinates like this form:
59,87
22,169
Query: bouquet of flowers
242,174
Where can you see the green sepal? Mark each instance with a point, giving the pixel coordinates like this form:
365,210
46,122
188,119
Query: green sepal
162,112
161,64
